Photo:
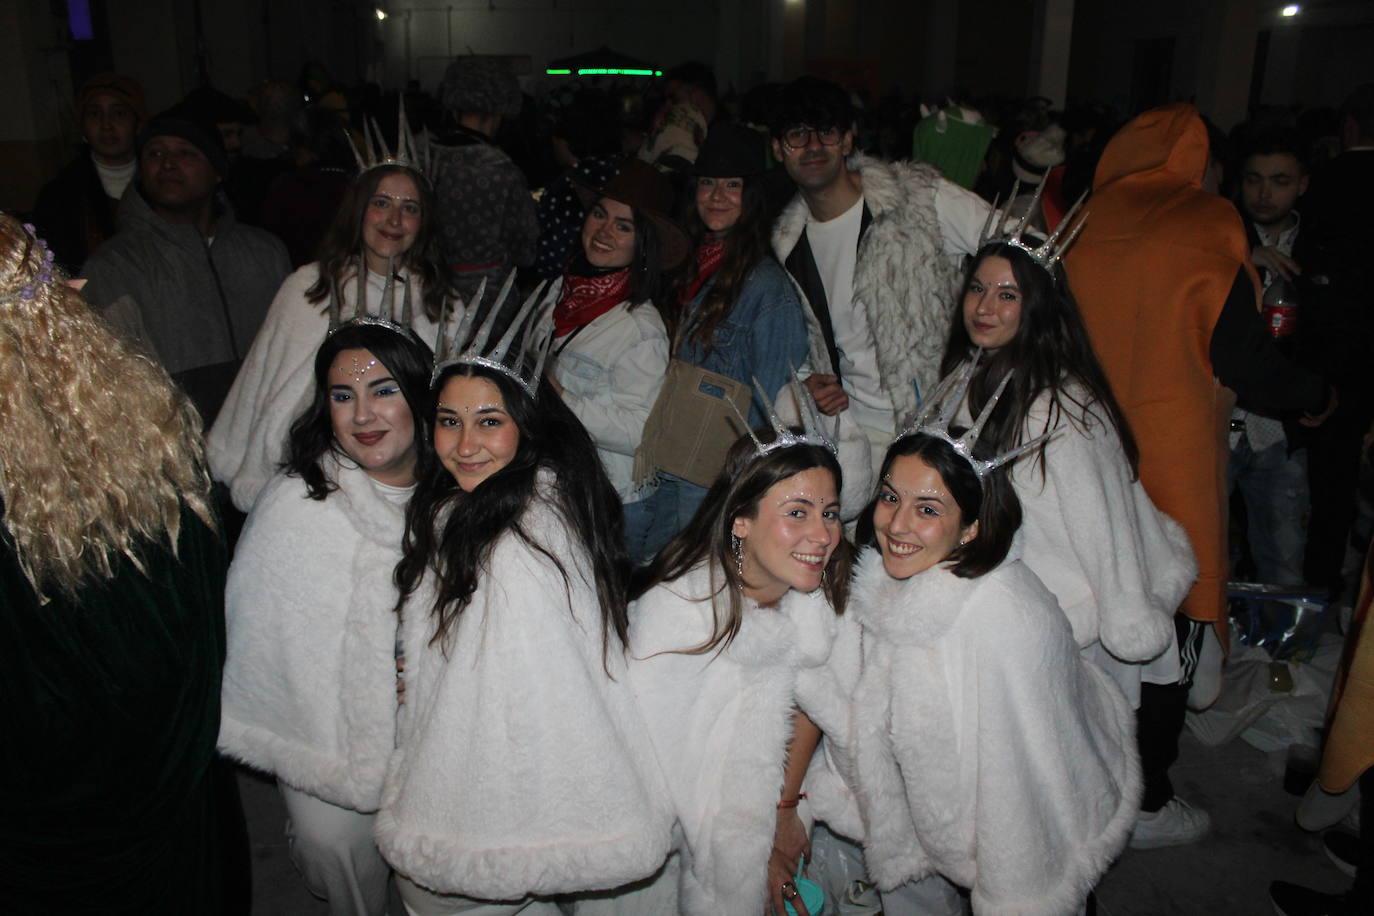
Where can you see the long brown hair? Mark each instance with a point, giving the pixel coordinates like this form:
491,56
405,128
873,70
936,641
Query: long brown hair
746,244
747,476
1050,350
343,243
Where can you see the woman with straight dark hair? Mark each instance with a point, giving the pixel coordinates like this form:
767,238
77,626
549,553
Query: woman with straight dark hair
741,321
729,636
1118,566
309,686
984,748
522,769
610,349
380,256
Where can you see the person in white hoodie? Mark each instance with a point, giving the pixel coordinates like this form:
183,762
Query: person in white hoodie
309,685
523,771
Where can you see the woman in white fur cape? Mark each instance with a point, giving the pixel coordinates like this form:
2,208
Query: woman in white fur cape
984,747
1118,566
729,639
385,229
309,685
523,770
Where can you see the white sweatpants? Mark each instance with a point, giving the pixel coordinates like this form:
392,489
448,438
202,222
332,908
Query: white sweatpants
333,850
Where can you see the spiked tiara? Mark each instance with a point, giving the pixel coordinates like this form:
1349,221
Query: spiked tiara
385,316
410,154
1049,251
813,431
934,416
519,353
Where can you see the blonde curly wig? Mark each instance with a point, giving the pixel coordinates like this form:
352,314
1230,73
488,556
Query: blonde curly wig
99,449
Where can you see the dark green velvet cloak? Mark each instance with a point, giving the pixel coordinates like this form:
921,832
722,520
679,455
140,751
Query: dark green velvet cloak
109,711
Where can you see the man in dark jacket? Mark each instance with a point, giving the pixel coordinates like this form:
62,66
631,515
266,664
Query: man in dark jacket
75,212
1338,309
181,271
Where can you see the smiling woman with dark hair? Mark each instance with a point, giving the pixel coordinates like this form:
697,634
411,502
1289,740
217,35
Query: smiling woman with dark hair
611,348
308,684
741,320
522,768
729,634
985,749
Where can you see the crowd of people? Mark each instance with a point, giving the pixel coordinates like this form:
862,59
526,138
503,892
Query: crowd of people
747,493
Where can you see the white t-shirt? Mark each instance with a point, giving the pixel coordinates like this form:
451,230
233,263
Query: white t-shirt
835,246
393,494
115,178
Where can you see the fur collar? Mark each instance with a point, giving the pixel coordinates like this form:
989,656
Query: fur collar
796,634
911,612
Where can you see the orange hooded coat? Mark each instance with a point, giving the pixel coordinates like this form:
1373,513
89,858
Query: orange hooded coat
1151,271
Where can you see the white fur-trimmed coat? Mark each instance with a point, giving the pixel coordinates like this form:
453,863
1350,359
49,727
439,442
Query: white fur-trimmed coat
720,724
309,681
1117,565
248,441
904,275
521,766
985,748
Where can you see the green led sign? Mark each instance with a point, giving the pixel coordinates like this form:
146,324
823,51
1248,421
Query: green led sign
603,71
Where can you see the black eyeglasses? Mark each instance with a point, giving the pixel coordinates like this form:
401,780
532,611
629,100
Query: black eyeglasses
798,137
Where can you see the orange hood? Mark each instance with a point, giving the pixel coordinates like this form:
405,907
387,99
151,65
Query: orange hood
1163,144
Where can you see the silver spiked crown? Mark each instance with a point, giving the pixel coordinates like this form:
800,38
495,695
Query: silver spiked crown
519,353
1051,249
935,413
410,153
813,428
386,314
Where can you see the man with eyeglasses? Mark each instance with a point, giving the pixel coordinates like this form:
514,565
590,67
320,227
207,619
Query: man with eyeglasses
876,247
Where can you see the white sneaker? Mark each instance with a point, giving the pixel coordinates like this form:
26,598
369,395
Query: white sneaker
1176,824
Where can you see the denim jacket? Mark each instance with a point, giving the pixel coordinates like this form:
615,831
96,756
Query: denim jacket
763,337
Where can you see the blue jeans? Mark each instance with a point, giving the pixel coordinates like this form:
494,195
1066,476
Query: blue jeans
651,522
1273,484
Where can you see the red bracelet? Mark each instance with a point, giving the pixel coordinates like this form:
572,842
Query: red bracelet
792,802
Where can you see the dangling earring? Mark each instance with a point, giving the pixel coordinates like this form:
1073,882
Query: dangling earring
737,546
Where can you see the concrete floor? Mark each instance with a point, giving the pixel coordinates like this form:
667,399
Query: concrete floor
1253,842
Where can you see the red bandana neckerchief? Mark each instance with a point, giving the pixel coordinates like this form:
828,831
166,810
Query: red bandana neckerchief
585,299
709,255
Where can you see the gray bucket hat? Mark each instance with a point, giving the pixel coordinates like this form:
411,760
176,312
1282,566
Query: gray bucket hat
483,85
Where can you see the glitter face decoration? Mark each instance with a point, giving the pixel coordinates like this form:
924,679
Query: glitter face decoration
371,418
357,366
788,542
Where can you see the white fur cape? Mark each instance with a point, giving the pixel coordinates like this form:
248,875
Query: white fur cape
248,441
1117,565
309,682
985,747
521,766
720,723
903,276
